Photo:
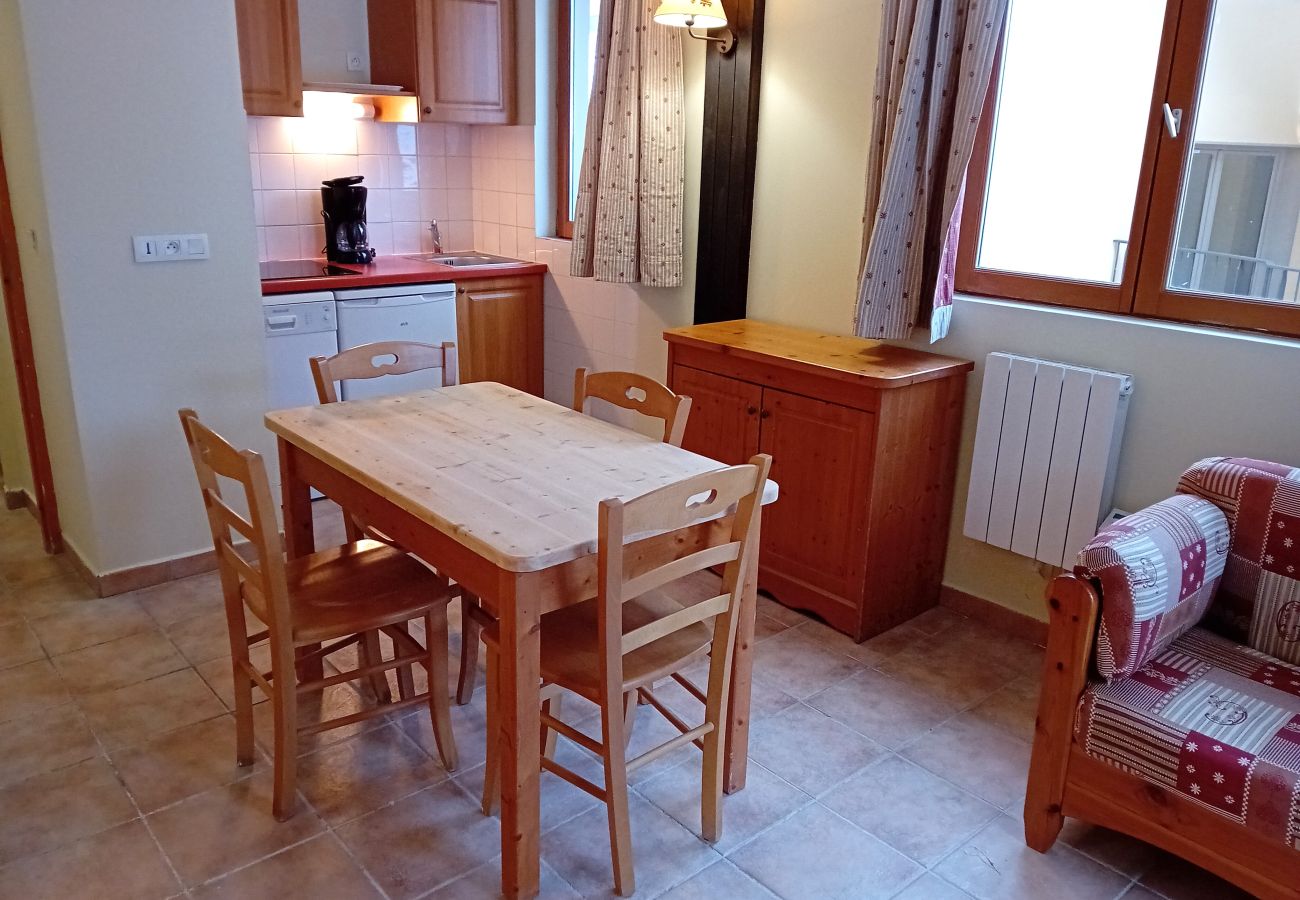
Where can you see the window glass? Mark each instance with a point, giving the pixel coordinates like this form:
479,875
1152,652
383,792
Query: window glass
583,21
1067,141
1240,199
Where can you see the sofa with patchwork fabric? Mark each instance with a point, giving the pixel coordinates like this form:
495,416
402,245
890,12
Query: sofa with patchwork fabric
1170,704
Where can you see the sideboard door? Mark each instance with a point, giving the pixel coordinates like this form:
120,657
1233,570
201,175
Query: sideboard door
723,422
813,540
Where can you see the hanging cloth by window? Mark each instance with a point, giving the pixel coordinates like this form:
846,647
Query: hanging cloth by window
628,224
936,60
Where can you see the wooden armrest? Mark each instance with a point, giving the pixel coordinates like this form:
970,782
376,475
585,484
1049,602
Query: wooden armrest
1073,605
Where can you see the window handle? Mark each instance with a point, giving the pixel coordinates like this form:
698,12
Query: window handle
1173,120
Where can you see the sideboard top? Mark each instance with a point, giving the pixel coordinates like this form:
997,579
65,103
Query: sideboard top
872,363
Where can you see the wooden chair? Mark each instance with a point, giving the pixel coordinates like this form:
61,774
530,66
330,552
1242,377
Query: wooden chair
360,363
628,390
333,598
614,648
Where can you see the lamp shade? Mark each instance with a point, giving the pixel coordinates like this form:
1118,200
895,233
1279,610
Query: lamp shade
692,14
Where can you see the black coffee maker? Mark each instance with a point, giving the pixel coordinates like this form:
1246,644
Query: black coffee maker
343,206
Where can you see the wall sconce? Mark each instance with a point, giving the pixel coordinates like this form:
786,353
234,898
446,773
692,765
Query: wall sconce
692,14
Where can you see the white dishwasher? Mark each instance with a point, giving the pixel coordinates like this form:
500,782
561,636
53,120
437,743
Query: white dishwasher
298,327
411,312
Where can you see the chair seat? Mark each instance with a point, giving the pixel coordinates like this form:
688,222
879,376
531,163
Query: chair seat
1209,719
358,587
570,636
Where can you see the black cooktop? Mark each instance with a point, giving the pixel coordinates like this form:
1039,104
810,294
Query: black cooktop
301,268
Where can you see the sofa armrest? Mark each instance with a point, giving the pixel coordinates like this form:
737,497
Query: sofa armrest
1157,571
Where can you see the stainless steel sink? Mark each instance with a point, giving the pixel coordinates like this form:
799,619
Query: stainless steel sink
466,260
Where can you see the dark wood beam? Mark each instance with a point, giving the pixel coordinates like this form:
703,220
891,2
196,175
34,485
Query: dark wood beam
729,153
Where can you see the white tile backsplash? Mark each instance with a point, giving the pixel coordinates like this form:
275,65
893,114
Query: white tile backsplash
274,135
433,204
379,207
408,169
478,182
277,171
282,242
280,207
310,171
405,204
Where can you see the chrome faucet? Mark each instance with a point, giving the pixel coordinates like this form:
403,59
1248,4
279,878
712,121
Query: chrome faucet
437,236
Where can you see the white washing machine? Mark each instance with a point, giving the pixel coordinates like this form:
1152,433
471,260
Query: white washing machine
412,312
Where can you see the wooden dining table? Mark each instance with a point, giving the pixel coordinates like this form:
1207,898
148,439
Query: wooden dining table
498,489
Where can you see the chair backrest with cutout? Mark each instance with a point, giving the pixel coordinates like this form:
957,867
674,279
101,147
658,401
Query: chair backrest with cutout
674,508
258,582
628,390
378,359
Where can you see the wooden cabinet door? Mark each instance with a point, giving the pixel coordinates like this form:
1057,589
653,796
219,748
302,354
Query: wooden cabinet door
499,331
467,61
270,58
723,421
813,536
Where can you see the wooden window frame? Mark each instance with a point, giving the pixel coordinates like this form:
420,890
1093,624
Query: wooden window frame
564,123
1142,288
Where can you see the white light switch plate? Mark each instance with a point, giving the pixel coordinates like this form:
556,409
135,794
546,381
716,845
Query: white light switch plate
170,247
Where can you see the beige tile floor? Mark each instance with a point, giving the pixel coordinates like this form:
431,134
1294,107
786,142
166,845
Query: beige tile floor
894,768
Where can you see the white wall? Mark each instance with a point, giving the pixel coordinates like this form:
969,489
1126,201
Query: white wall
141,130
1198,392
814,121
24,164
1252,81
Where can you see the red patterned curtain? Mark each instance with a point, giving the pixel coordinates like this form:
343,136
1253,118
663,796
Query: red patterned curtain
936,60
628,223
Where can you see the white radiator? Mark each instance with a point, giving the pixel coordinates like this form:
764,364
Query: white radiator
1046,447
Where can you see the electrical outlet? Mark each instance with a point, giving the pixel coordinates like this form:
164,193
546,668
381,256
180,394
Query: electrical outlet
169,247
354,61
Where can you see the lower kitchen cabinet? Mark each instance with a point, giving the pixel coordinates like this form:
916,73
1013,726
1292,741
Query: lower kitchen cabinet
863,438
499,331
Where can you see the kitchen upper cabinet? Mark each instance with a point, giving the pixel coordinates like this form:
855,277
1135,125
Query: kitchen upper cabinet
459,56
863,438
270,56
499,331
467,60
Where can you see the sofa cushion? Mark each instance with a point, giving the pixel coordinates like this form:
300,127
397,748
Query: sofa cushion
1158,570
1213,720
1259,601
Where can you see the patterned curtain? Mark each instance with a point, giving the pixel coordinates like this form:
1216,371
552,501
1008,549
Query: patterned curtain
628,224
936,59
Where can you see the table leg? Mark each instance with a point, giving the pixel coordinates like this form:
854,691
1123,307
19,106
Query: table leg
742,667
299,536
519,664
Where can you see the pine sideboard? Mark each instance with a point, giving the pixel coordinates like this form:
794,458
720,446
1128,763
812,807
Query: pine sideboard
863,437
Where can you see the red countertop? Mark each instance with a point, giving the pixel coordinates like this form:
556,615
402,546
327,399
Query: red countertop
387,270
